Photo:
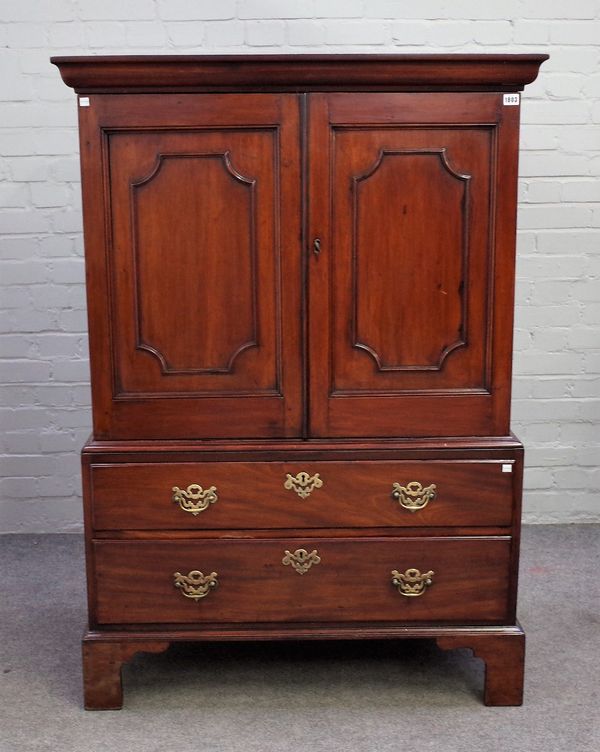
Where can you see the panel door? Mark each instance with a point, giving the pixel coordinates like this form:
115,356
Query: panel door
198,273
412,200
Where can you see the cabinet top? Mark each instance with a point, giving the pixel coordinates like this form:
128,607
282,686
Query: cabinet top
196,73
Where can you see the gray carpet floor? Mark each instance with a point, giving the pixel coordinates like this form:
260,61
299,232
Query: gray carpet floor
352,696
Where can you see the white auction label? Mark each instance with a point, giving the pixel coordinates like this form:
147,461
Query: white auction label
513,99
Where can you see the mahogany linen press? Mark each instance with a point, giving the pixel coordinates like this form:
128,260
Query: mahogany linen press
300,278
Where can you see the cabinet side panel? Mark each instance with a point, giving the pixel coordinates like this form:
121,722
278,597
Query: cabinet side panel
504,243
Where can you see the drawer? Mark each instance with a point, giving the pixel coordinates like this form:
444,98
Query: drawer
302,580
246,495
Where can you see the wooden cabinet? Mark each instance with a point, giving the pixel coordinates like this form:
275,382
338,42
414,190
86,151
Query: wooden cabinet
300,278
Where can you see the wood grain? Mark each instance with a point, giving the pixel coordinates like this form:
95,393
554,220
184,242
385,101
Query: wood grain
504,658
137,73
406,289
193,263
252,495
501,648
134,581
102,664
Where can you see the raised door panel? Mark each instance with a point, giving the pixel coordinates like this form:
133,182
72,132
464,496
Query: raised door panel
416,259
202,266
191,313
408,297
214,314
404,292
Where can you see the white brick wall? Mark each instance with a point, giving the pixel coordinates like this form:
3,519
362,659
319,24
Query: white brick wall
44,404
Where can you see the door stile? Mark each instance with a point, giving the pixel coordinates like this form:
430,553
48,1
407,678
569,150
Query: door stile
319,261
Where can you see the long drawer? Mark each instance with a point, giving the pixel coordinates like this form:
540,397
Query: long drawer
441,580
252,495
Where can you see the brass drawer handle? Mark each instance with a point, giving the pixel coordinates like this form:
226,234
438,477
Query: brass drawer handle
194,498
412,583
413,495
302,483
194,584
301,560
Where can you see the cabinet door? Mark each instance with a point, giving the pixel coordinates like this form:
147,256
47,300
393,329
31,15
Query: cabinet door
412,197
194,273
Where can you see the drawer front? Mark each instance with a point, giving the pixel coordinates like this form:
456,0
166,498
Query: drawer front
303,580
246,495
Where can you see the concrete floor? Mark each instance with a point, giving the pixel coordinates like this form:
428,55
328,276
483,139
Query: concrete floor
355,697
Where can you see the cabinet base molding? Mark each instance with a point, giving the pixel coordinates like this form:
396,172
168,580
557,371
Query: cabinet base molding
502,649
